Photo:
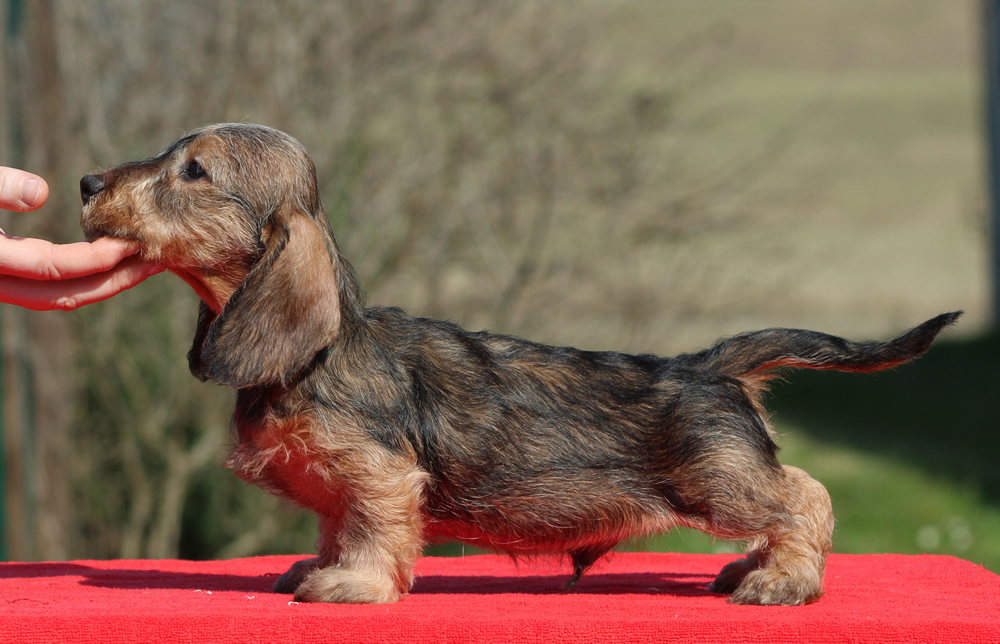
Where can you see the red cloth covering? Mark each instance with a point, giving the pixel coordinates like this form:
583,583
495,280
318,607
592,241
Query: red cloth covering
629,598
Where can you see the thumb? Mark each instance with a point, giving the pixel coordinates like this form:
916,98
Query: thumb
20,190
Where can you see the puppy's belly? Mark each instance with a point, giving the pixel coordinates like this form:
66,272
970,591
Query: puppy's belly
536,525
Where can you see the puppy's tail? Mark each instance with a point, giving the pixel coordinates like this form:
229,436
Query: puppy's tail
755,354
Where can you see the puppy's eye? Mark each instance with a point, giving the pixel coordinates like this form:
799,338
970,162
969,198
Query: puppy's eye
194,171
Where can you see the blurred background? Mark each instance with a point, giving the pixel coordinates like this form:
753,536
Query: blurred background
631,175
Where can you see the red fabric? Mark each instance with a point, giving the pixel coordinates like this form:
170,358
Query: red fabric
631,597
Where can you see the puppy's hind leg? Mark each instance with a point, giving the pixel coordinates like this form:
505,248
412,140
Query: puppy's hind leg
786,561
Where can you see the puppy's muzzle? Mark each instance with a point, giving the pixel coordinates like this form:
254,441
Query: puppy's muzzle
90,186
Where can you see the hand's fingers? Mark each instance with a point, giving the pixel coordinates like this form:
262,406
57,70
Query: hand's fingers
73,293
20,190
42,260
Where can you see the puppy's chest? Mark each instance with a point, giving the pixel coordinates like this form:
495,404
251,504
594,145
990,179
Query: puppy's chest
298,458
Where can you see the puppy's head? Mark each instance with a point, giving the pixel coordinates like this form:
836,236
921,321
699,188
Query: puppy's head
234,210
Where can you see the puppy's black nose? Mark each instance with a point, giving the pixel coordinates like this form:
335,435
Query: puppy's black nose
90,185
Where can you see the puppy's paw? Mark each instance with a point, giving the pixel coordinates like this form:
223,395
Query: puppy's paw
346,586
291,580
768,587
731,575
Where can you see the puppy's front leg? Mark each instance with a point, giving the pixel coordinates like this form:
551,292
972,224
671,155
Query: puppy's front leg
368,555
289,582
328,548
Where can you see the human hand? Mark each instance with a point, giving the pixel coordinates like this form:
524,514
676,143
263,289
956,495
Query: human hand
40,275
21,191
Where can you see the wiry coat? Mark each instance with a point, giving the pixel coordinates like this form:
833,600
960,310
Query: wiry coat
397,430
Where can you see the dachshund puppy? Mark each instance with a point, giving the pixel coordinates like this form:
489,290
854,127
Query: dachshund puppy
398,430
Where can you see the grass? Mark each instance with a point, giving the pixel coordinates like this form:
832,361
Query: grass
887,505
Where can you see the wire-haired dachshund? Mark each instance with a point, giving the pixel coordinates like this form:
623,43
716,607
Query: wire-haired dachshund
399,430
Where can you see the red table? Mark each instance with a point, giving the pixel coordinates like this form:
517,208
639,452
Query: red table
631,597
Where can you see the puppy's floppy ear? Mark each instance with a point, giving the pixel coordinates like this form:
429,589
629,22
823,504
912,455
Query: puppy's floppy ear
285,311
206,316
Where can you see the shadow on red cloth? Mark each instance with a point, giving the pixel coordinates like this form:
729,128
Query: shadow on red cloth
132,579
682,585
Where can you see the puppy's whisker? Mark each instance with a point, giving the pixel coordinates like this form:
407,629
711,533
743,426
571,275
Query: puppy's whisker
398,430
